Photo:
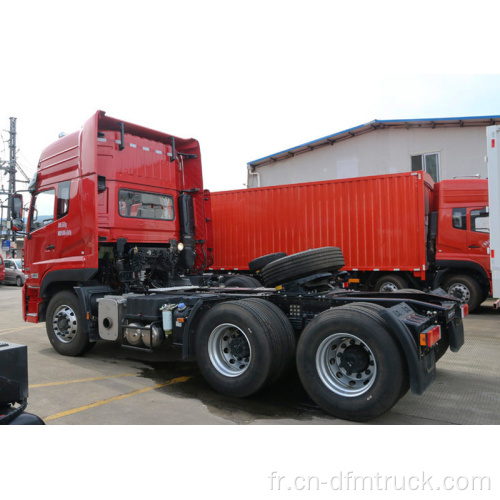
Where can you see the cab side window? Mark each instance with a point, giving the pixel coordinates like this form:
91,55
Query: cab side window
459,218
63,198
43,208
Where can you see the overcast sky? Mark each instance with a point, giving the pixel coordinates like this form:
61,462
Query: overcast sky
245,79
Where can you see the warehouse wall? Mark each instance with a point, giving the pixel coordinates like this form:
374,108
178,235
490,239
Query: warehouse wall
462,151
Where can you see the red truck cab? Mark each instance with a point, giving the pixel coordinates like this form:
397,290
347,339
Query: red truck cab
113,203
463,236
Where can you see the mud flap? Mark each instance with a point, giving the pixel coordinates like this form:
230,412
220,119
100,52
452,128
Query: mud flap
87,296
422,371
456,335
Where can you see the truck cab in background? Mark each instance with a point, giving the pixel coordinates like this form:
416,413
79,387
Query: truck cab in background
462,257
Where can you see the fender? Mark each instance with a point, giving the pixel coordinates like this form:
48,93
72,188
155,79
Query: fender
422,371
66,275
460,264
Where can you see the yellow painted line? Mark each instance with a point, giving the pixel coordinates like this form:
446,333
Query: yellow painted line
116,398
77,381
12,330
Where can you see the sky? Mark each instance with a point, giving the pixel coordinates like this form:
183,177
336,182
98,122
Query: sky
246,79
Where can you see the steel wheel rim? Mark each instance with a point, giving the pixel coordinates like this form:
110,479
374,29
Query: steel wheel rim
229,350
64,324
460,291
389,287
340,353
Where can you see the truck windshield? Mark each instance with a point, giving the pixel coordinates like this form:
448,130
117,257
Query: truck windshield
139,204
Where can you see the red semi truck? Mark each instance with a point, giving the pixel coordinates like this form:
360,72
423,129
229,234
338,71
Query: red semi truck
396,231
117,249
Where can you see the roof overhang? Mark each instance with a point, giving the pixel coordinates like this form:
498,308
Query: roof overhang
330,140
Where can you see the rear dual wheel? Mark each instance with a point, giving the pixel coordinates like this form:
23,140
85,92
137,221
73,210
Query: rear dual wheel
242,346
390,283
350,364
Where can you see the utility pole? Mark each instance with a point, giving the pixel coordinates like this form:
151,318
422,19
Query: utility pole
12,173
11,170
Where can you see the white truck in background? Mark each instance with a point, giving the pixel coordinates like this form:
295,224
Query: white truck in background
493,160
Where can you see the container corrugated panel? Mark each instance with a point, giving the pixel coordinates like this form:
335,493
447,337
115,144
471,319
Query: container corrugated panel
379,222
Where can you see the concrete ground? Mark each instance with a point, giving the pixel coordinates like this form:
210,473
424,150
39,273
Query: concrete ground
111,385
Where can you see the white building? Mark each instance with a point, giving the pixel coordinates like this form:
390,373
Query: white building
444,147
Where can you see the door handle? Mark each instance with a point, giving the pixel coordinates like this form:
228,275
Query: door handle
474,246
50,247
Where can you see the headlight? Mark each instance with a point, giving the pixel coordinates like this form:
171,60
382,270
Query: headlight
180,246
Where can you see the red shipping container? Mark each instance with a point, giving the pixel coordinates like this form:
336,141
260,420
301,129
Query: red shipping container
379,222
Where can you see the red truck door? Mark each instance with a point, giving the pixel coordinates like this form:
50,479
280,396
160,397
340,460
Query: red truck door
40,252
468,238
478,235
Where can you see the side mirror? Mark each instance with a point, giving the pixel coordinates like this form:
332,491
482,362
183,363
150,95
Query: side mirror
17,206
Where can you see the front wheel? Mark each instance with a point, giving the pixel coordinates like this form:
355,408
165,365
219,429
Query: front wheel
466,289
19,281
64,324
350,364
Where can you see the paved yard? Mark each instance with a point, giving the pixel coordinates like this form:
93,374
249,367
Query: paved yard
111,385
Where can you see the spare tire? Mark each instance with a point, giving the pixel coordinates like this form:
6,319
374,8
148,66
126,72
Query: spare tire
302,264
242,281
259,263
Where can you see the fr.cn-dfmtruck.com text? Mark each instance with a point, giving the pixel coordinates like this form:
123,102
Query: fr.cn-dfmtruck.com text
349,481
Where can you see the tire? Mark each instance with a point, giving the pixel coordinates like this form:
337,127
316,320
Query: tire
64,324
466,289
242,281
284,333
373,310
19,281
302,264
259,263
236,348
350,365
390,283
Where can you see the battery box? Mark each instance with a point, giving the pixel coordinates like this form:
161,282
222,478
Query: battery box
13,373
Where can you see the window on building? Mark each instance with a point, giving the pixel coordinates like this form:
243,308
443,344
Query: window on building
145,205
480,221
459,216
429,162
